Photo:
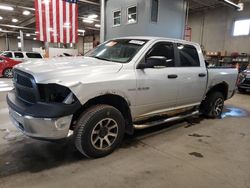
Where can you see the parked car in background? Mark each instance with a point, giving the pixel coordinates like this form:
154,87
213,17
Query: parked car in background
6,65
244,81
22,56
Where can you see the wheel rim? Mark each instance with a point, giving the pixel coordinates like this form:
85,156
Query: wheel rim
218,106
8,73
104,134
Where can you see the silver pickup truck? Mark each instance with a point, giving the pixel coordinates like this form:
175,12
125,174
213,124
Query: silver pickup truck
122,85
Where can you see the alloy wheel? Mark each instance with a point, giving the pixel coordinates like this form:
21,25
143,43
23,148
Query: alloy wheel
104,134
218,106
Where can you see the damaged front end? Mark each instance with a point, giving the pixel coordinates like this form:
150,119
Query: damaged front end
41,111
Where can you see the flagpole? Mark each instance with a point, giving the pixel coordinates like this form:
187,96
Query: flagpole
102,29
21,39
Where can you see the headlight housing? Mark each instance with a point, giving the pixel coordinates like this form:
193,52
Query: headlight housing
242,77
55,93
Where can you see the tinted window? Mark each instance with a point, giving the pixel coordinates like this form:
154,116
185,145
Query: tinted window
18,55
34,55
163,50
154,10
7,54
188,56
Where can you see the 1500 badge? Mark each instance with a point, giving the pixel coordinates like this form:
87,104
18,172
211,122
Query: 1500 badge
139,89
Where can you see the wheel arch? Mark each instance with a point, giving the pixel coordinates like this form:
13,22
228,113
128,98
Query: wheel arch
7,68
114,100
220,87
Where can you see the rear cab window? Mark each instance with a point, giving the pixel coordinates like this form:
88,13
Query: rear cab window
34,55
188,55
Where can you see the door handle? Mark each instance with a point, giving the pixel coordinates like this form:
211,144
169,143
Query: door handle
202,75
172,76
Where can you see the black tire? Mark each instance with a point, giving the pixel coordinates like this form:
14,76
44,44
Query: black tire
213,104
86,133
7,73
241,90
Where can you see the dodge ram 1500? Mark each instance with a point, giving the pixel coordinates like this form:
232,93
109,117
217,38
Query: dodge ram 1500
121,85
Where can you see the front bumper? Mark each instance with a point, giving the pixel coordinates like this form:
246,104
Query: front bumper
47,121
41,128
244,86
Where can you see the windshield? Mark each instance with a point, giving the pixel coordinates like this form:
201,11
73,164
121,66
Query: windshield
120,50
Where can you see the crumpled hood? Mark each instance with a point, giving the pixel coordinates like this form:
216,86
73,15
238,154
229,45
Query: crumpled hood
59,70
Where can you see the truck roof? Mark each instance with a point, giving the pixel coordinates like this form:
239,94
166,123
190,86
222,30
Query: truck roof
152,38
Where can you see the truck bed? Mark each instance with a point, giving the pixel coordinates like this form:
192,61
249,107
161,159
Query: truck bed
219,75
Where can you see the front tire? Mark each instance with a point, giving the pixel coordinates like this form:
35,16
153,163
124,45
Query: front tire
213,105
99,131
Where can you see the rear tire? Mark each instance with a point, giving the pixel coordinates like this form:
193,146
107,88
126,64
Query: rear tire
213,104
7,73
99,131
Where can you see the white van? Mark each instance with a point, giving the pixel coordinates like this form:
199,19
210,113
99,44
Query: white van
22,56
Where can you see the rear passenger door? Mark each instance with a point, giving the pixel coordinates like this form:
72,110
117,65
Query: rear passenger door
192,75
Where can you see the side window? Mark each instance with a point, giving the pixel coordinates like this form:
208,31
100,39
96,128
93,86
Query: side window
154,10
7,54
117,18
132,15
164,52
34,55
18,54
188,56
1,60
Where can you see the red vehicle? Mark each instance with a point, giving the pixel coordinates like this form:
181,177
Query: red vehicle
6,65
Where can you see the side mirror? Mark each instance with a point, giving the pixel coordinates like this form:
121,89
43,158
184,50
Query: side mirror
160,58
141,66
154,62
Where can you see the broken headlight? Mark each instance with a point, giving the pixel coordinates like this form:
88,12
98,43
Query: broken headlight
55,93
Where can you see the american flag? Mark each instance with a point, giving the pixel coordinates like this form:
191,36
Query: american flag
57,21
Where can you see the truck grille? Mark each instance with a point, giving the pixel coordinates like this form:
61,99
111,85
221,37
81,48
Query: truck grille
24,81
25,86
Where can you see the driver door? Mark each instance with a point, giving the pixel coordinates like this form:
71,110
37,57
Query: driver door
157,86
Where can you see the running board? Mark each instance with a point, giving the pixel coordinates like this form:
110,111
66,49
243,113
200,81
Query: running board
175,118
